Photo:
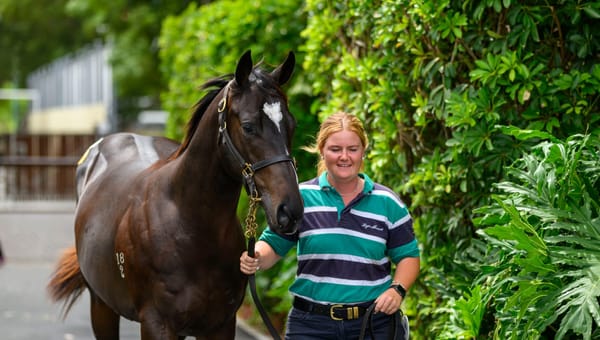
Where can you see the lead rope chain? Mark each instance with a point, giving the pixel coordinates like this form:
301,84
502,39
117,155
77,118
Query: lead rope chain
250,221
251,236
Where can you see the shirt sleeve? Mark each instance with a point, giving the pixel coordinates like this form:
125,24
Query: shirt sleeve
410,249
402,241
280,245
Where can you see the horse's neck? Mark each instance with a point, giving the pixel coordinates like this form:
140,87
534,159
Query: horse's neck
200,179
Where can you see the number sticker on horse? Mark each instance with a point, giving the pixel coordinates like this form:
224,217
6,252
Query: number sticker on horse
120,262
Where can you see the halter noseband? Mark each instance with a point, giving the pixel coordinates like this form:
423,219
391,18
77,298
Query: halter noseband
248,169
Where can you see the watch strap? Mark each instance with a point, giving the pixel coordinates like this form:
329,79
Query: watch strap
400,289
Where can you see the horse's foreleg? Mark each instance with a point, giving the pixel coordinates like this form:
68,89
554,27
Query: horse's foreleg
227,332
105,322
153,327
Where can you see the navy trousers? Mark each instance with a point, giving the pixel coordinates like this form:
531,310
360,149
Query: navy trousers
306,326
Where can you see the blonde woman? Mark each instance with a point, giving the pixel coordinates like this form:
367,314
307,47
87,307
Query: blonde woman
353,231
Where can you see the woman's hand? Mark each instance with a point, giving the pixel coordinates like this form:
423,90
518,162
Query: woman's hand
265,257
249,265
389,302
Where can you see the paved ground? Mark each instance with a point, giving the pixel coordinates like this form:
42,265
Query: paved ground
32,237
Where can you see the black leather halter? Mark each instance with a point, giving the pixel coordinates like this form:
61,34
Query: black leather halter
248,169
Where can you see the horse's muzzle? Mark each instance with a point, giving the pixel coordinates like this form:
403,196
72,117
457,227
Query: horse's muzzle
287,221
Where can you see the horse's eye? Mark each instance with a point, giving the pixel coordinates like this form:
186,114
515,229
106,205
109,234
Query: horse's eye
249,128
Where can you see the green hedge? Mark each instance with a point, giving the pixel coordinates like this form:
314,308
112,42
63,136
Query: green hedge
438,82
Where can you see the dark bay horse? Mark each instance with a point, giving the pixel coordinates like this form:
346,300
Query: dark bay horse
157,239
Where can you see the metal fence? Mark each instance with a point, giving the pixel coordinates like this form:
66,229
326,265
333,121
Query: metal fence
81,79
40,167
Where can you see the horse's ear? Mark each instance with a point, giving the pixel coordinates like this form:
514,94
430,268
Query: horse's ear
284,71
243,69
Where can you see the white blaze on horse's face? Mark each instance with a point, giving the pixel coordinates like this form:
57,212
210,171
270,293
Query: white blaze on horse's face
273,111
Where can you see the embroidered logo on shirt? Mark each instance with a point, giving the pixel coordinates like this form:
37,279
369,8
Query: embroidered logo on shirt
367,226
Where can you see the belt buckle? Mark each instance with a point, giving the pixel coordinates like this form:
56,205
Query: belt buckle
332,312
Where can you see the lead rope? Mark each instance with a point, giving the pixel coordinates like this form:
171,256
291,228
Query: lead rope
367,324
251,236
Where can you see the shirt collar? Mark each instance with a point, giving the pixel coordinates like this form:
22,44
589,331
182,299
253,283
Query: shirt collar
324,183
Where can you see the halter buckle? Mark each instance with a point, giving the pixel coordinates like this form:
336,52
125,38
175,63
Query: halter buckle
247,171
222,105
223,102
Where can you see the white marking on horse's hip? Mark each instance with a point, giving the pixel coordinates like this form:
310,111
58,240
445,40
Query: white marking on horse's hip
273,111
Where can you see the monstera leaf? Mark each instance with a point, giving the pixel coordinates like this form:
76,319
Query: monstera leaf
542,272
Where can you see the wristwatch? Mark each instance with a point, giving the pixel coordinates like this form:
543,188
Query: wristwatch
400,289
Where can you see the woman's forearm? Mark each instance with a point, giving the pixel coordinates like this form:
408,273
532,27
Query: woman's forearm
407,271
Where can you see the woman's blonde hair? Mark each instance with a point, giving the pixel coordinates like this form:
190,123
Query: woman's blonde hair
337,122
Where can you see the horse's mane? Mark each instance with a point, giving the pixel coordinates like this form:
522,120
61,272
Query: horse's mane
217,84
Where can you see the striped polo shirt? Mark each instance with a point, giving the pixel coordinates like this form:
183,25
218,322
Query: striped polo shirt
344,252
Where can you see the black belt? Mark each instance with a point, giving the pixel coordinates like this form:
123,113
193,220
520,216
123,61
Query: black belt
335,312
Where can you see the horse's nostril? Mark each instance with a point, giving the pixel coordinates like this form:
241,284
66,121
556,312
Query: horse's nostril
287,221
283,216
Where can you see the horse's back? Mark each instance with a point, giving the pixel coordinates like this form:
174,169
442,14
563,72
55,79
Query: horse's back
121,154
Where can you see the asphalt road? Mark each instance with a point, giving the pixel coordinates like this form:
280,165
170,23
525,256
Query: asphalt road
32,237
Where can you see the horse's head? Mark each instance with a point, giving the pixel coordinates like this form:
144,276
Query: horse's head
257,128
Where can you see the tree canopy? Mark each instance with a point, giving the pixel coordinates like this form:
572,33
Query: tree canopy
33,33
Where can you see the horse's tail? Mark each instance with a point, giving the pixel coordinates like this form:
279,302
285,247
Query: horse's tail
67,282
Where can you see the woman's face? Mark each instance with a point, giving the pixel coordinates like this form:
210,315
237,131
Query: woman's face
342,153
